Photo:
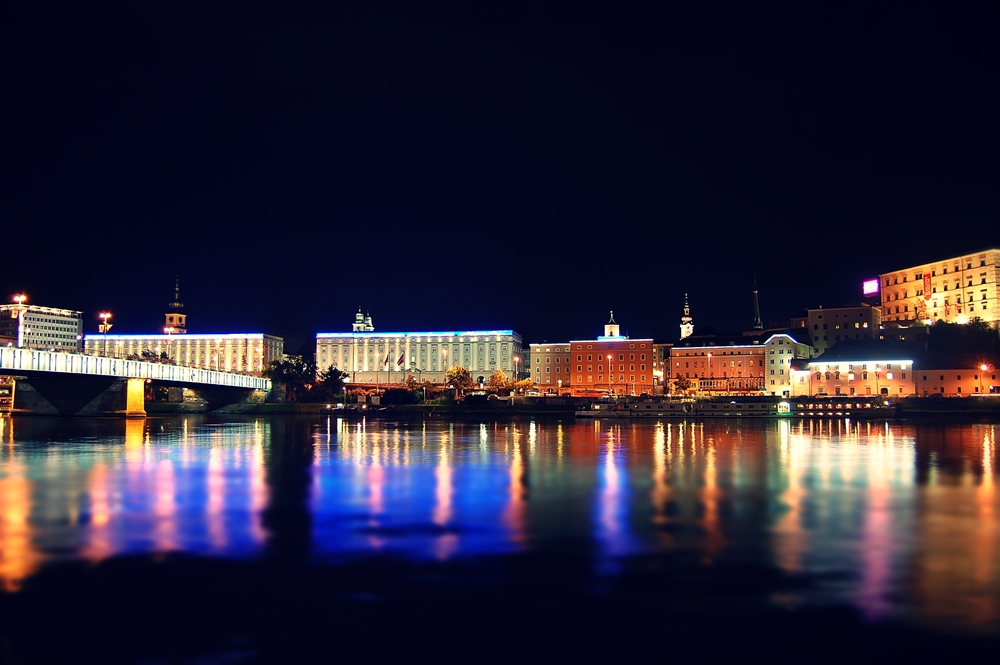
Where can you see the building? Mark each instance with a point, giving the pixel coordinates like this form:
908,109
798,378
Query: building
35,327
550,366
228,352
954,290
739,363
661,367
827,326
612,363
863,367
373,357
981,380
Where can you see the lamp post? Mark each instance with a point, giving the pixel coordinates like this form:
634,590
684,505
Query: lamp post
19,299
877,371
104,326
610,387
444,365
517,367
985,367
711,375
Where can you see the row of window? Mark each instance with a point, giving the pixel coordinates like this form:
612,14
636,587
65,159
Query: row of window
944,271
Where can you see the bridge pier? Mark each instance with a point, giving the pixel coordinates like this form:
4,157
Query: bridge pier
67,395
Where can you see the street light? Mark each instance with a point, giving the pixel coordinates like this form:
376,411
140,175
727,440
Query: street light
444,365
517,364
610,387
985,367
19,299
104,327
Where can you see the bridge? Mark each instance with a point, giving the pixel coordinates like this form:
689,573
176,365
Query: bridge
80,384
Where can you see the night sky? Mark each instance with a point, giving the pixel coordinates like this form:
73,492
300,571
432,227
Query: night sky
452,167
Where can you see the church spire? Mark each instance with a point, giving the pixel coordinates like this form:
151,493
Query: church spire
687,322
757,324
175,322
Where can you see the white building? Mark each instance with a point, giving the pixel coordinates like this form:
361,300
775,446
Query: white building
35,327
373,357
229,352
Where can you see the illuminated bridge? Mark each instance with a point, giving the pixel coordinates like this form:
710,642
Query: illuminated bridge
79,384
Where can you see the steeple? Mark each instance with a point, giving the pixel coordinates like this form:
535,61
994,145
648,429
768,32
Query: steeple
687,322
757,325
175,323
611,328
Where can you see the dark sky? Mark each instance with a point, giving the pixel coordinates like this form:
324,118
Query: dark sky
451,167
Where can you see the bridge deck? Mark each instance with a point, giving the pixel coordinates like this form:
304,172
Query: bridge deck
13,361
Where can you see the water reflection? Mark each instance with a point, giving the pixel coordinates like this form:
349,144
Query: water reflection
894,519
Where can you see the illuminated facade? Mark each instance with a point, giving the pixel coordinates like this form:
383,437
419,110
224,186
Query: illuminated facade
373,357
958,382
612,363
739,364
41,327
828,326
550,366
867,367
954,290
232,352
661,366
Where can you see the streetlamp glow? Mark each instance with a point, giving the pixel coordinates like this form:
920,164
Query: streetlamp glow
104,326
19,299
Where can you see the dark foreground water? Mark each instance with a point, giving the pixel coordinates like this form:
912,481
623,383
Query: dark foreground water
232,540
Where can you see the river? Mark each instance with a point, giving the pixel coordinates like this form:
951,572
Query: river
892,524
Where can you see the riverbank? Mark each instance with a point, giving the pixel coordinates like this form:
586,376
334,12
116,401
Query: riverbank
908,407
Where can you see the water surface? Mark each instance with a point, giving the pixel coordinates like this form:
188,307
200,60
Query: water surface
895,520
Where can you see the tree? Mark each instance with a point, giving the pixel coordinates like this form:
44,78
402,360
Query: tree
411,383
682,384
329,387
460,378
498,382
297,375
524,385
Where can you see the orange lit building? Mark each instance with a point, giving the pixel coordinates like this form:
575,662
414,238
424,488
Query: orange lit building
980,380
739,364
612,363
953,290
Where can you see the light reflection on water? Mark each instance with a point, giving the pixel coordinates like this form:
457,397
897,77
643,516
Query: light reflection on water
899,520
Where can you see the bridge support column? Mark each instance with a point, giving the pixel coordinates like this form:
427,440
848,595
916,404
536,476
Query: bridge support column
135,398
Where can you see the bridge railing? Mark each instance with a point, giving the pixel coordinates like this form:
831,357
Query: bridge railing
35,360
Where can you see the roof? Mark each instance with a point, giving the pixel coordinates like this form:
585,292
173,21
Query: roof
865,349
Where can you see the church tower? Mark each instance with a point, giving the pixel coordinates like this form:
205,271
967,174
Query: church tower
362,322
175,322
687,323
359,322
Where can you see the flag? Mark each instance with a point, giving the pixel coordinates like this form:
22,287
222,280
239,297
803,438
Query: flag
386,363
402,356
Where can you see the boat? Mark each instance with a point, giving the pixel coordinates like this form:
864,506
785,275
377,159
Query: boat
853,407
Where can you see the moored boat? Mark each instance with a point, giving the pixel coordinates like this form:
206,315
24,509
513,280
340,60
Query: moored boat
855,407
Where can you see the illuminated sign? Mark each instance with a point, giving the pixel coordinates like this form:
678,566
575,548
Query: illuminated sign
869,286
